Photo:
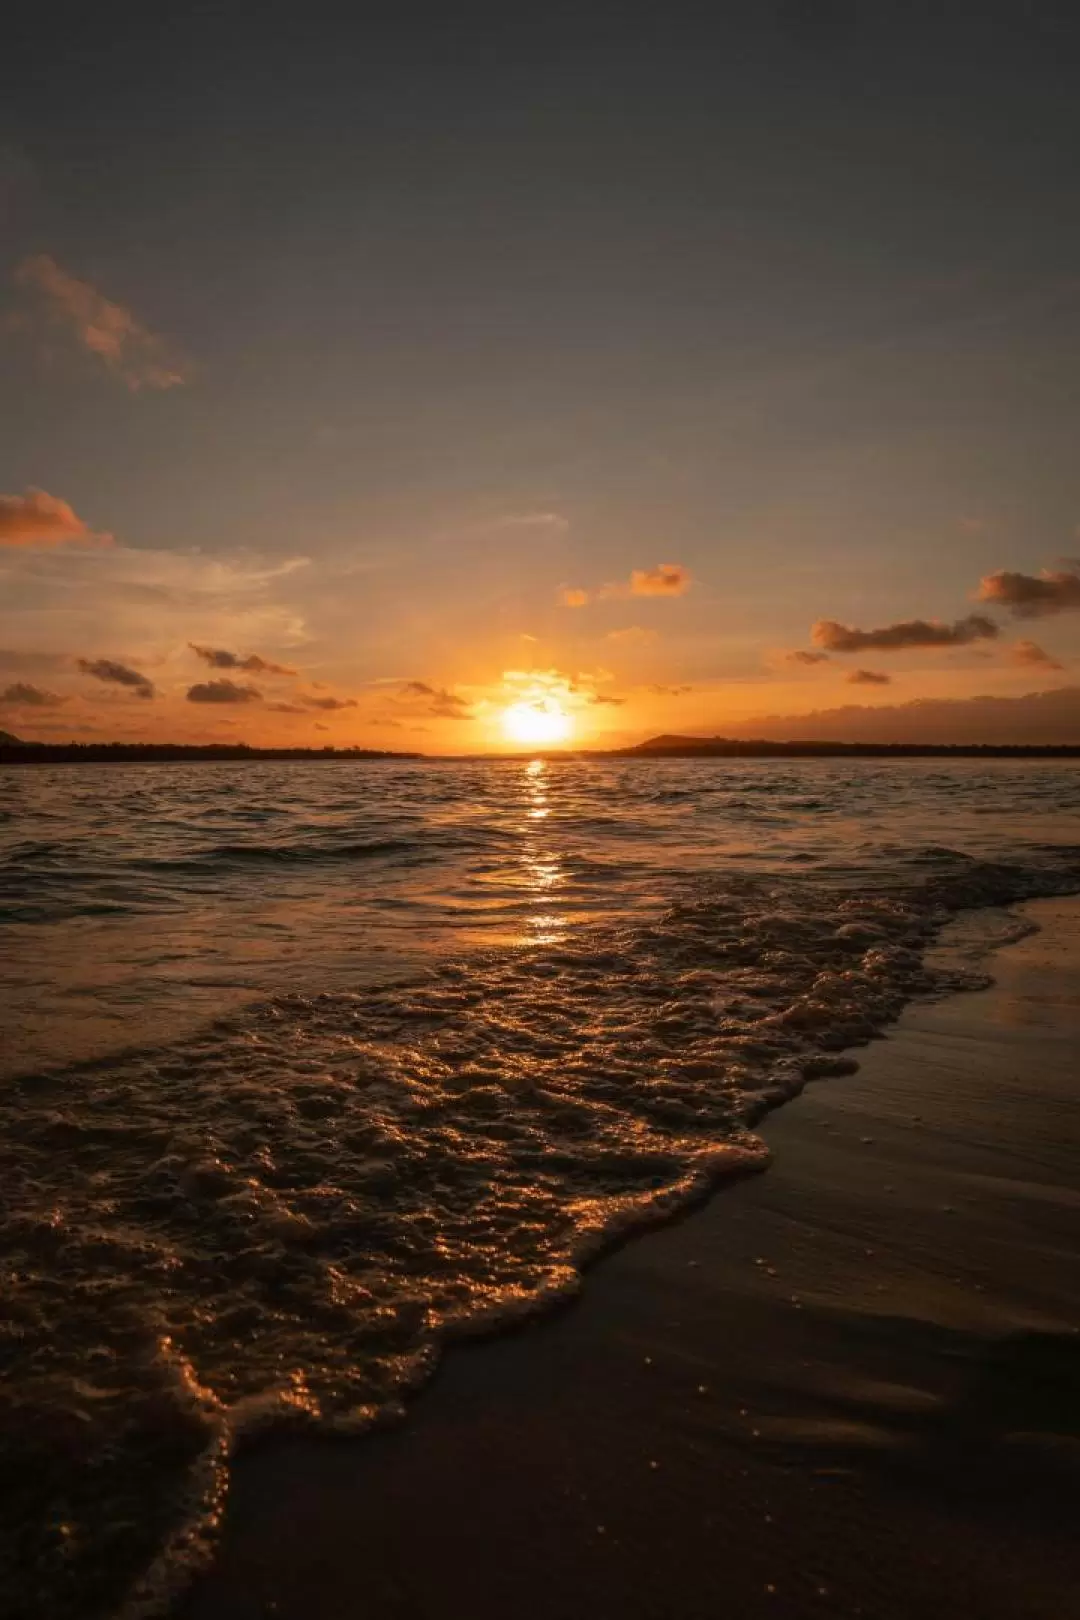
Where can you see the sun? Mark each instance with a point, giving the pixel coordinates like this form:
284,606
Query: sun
537,725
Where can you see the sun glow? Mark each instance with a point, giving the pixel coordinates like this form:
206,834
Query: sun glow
542,724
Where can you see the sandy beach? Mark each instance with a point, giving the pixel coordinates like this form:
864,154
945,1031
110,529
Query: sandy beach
847,1386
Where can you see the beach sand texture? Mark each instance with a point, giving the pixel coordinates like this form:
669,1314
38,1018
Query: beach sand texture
848,1386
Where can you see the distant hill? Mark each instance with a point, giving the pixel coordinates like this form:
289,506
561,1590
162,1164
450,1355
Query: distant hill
7,740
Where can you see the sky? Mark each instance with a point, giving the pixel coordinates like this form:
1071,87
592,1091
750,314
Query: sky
699,370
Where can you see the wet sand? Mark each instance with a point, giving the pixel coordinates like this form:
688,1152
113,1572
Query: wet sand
849,1386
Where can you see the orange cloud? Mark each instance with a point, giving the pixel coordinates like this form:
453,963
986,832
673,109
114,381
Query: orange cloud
1031,596
868,677
38,519
843,638
666,579
1029,652
218,658
111,333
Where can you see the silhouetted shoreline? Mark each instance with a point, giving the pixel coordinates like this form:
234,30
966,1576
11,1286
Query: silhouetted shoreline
31,753
167,753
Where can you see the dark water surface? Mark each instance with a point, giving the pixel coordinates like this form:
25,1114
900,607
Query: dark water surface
307,1065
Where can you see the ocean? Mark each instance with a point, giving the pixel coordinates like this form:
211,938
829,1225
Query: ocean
307,1067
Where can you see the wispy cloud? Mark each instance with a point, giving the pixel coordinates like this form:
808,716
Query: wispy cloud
1030,653
802,655
108,670
843,638
1032,596
110,332
555,522
572,596
219,658
150,603
868,677
634,635
670,691
223,691
38,519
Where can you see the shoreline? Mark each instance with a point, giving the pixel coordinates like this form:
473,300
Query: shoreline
845,1386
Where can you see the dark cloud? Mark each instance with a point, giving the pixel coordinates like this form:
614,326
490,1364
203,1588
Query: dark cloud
602,697
22,695
868,677
38,519
843,638
219,658
1032,596
286,708
802,656
222,692
1029,652
670,691
327,703
106,669
446,705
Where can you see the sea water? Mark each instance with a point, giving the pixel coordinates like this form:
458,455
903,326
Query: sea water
307,1067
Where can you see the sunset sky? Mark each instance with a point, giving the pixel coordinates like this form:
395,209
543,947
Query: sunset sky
363,380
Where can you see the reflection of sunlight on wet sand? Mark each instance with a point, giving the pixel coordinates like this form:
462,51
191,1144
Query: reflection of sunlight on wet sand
541,867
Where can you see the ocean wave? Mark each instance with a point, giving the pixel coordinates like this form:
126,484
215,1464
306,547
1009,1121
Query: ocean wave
241,854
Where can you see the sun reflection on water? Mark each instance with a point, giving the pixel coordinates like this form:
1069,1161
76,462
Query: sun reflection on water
541,866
